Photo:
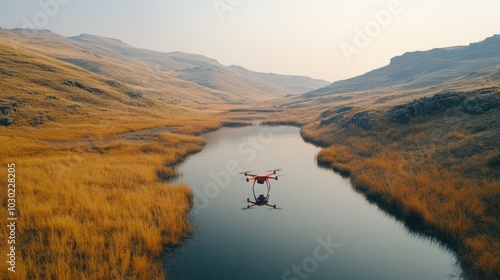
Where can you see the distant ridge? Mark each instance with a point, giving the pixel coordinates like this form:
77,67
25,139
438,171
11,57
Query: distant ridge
298,84
425,68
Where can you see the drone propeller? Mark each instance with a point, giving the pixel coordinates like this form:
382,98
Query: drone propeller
244,172
274,170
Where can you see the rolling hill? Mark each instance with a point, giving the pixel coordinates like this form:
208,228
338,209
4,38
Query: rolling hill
164,74
209,72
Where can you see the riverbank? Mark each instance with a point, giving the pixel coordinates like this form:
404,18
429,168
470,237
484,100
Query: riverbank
101,206
439,178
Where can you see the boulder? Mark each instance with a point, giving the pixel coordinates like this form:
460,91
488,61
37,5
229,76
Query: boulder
6,121
361,119
6,110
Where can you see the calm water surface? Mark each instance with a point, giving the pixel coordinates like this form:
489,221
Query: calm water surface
321,229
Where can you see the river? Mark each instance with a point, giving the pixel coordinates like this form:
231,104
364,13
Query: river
320,229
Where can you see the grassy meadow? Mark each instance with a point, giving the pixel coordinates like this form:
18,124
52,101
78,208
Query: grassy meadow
100,211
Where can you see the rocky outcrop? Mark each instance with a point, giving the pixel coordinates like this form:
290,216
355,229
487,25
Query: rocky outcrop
402,114
81,86
6,121
476,102
478,105
361,119
6,111
333,116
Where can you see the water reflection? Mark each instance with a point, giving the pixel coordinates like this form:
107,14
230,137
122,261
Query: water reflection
315,203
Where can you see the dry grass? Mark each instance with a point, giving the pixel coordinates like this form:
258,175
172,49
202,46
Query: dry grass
91,201
423,179
431,200
98,213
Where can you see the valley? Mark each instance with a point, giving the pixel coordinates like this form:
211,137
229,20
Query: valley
96,129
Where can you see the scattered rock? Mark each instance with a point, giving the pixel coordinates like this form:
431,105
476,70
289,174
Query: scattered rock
94,90
53,97
81,86
112,83
7,110
73,106
134,94
37,120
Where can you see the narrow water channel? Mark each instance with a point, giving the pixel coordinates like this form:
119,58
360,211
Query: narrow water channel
321,229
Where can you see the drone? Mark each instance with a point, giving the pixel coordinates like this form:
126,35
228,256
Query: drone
262,199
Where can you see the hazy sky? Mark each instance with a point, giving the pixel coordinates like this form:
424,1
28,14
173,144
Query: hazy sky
324,39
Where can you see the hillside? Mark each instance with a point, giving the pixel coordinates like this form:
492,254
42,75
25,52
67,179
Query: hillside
137,76
420,69
422,145
83,147
209,72
153,72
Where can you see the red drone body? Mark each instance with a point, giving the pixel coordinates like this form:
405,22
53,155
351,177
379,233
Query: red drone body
261,179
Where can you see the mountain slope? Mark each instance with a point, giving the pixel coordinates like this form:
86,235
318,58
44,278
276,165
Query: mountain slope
146,71
420,69
209,72
139,77
151,70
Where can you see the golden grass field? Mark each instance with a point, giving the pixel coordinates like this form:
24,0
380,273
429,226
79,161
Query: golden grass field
93,200
97,212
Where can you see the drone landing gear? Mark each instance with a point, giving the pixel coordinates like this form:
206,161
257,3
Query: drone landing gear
261,200
254,203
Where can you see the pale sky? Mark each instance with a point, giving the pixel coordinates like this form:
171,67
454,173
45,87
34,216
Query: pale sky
330,40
